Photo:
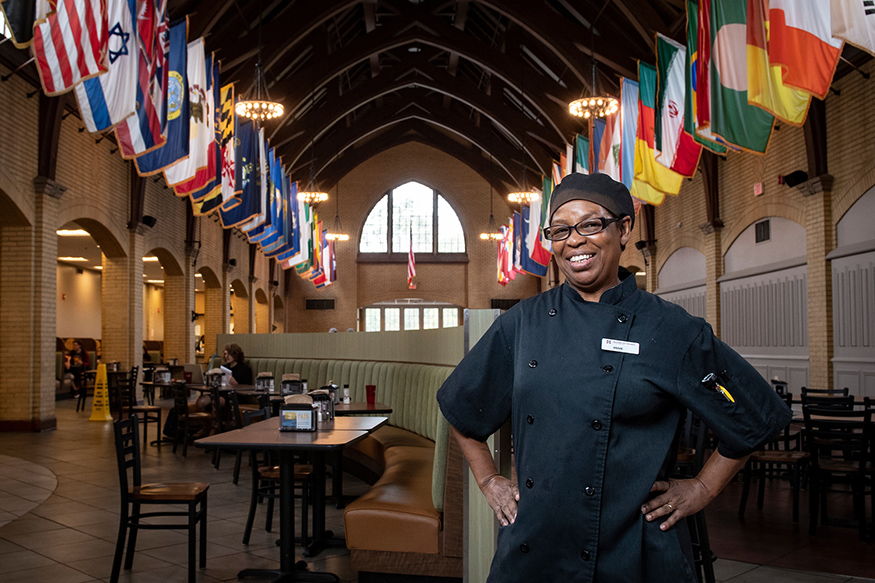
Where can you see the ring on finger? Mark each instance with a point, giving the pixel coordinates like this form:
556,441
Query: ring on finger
670,508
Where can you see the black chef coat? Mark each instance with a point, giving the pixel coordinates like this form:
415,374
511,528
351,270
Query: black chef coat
593,429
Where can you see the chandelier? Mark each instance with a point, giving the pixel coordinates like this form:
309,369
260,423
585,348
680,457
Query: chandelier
312,196
492,233
336,233
260,108
593,107
596,106
524,196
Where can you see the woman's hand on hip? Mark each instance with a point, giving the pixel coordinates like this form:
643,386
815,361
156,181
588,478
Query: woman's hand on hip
679,498
502,495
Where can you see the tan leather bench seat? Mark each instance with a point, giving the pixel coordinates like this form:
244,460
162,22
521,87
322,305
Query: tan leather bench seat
396,513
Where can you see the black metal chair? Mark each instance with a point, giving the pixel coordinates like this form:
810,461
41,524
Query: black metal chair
134,494
825,392
126,391
784,452
840,443
266,483
187,423
691,459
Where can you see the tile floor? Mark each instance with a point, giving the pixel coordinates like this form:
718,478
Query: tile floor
59,519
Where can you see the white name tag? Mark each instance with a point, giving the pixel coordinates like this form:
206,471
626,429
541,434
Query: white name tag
619,346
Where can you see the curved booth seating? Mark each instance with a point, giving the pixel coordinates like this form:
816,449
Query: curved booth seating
410,520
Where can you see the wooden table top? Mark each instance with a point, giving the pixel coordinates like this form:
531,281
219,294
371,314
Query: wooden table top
360,407
266,435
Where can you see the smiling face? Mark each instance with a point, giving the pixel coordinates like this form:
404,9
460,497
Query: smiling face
590,263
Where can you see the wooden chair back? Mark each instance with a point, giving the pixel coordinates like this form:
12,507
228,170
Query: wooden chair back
826,392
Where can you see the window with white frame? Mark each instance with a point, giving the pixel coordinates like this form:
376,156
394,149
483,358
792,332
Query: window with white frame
416,214
409,314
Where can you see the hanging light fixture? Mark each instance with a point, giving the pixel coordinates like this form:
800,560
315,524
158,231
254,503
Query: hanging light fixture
260,108
492,233
336,233
595,106
312,195
524,196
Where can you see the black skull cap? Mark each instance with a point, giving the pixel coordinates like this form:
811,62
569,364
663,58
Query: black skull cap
598,188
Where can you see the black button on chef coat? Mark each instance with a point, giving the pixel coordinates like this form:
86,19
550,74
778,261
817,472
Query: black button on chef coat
640,403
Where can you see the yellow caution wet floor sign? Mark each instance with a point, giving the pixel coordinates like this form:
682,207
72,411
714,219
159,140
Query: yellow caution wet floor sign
100,403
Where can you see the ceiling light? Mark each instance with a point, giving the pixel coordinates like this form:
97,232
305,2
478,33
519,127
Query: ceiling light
524,197
640,273
492,233
198,275
72,259
594,106
336,233
150,258
312,197
154,281
98,267
73,233
260,108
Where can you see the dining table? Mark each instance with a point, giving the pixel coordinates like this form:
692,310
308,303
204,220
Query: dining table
331,436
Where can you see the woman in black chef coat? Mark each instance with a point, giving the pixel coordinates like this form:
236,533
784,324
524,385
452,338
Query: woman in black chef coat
596,376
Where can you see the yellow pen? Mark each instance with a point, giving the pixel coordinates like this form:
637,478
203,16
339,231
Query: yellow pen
725,393
710,382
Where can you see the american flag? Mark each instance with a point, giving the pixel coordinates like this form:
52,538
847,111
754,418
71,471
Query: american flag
411,263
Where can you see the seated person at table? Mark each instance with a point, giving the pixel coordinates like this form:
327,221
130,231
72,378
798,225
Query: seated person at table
241,373
79,363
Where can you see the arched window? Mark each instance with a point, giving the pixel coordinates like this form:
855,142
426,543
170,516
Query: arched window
436,230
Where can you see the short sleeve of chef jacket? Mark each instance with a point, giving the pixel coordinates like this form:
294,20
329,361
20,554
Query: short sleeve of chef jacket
758,413
476,397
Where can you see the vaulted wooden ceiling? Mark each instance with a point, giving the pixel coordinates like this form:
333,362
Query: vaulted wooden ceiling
485,81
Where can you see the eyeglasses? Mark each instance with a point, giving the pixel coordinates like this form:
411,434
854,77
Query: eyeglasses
584,228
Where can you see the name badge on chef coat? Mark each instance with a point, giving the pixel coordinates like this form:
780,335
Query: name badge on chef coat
619,346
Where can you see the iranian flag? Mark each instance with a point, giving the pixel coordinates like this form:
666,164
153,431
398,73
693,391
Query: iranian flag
674,148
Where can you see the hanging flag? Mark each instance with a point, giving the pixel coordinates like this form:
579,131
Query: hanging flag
569,160
628,129
609,147
209,196
20,17
800,41
652,180
517,242
246,177
597,131
765,87
210,142
70,45
704,46
199,134
557,172
674,148
226,133
106,100
255,228
146,131
694,123
535,218
411,262
732,117
530,246
854,22
581,154
300,233
175,111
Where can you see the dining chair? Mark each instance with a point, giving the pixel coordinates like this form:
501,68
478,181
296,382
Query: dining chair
126,391
825,392
87,379
840,443
784,452
187,423
266,482
135,494
690,460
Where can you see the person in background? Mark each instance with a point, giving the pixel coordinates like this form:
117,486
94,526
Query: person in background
146,356
241,373
79,363
596,377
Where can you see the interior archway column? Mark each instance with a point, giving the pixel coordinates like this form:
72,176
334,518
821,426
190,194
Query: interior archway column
179,305
250,316
217,305
820,240
28,312
713,271
122,304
